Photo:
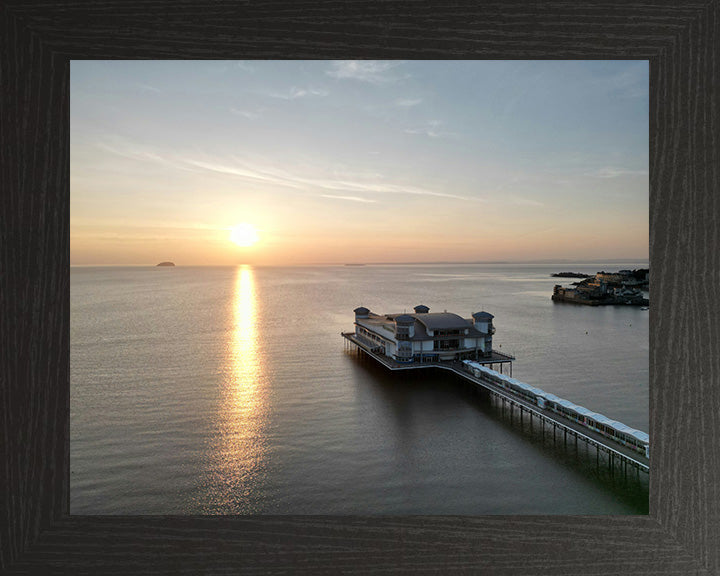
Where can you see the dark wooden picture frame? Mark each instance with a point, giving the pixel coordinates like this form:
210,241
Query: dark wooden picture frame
681,535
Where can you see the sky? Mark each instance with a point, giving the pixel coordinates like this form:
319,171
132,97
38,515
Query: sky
358,161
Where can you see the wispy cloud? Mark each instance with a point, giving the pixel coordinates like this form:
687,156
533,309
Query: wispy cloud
269,174
246,173
274,176
148,88
296,92
630,83
131,151
245,66
245,113
364,70
407,102
431,130
610,172
525,201
424,131
350,198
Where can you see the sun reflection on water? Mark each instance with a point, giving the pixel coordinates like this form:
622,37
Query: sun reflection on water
238,456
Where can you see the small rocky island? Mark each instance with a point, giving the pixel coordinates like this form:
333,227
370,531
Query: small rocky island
166,264
604,288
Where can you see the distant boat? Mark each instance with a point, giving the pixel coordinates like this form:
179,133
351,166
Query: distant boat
645,308
166,264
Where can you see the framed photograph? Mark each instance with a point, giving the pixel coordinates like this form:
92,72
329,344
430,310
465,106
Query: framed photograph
227,220
85,515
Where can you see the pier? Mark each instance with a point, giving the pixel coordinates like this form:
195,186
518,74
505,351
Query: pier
619,458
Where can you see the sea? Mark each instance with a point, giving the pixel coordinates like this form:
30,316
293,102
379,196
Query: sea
230,390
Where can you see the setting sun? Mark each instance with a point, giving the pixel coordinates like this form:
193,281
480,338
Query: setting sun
244,234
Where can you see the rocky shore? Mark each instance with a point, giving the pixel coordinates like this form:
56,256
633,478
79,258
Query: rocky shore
606,288
570,275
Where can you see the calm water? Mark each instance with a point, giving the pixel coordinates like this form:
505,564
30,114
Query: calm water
229,391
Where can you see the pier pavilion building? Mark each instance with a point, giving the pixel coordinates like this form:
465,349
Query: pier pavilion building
425,340
425,336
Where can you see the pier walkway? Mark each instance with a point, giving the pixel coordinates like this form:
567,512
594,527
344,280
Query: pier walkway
619,457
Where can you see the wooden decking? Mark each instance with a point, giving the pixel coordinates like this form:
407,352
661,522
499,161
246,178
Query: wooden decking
392,364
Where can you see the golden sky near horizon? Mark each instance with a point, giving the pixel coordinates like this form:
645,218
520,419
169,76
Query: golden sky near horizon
336,162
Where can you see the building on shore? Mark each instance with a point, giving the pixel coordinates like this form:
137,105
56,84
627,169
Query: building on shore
625,278
598,293
426,336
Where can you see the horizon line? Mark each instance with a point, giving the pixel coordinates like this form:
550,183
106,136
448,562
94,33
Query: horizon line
402,263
